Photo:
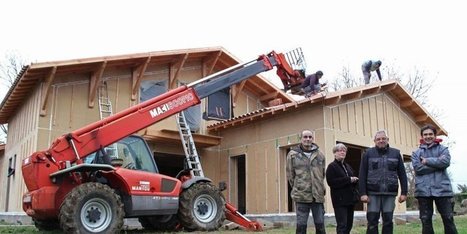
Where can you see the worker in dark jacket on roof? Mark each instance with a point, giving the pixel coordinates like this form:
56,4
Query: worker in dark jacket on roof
432,184
368,67
305,173
311,85
380,170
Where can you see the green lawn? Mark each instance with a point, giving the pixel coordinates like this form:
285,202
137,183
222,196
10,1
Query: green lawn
410,228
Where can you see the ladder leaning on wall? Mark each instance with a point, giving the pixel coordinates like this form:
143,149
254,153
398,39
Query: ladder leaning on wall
105,106
105,110
192,158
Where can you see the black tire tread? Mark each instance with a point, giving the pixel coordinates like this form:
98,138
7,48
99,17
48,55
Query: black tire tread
185,214
70,210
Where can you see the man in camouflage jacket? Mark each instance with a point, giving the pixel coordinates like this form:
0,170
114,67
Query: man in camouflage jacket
306,173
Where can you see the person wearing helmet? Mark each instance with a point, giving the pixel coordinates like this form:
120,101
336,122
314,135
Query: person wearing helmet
311,85
368,67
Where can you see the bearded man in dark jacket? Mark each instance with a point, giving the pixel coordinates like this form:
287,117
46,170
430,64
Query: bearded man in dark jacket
380,170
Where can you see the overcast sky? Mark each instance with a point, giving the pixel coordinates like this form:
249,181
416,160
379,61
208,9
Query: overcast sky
425,35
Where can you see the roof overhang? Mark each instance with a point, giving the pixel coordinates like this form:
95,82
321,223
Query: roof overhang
166,136
43,74
392,87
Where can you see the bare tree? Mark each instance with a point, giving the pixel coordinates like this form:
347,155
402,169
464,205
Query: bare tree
10,66
418,83
344,81
462,188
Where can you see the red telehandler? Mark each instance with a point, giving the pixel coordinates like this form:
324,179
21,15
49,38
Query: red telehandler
89,180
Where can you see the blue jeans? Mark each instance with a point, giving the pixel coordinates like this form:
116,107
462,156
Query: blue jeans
444,206
384,206
303,211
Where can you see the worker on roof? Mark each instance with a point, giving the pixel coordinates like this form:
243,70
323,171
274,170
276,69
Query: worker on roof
368,67
311,85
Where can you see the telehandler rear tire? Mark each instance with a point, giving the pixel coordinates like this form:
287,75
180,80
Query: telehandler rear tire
92,208
201,208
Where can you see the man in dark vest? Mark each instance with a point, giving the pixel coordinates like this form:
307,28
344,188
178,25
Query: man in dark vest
380,170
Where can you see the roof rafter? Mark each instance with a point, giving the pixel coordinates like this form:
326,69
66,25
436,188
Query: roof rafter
46,88
210,63
137,76
236,91
269,96
176,67
96,77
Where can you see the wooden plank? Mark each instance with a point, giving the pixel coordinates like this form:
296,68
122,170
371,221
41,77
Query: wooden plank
46,88
390,118
209,64
335,119
373,115
271,173
397,126
136,77
94,82
380,115
366,118
175,69
343,118
359,126
237,89
351,118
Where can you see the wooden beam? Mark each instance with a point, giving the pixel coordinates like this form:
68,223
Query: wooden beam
421,118
172,136
333,100
353,95
137,76
253,80
176,67
236,91
406,103
211,63
96,77
46,88
269,96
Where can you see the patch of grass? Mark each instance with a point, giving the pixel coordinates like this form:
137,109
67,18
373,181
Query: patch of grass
461,223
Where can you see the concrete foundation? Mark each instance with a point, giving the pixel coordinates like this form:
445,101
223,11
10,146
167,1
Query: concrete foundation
268,220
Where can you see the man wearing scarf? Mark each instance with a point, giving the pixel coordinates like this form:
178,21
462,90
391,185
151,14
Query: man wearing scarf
305,172
432,184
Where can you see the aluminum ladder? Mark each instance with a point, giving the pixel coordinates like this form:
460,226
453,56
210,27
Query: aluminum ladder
105,106
105,110
192,158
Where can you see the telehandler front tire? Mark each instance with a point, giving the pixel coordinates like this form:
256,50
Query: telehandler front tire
201,208
92,208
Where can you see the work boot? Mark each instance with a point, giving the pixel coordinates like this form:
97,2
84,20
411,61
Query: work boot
320,228
372,218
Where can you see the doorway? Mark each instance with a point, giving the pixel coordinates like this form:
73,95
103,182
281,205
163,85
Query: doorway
238,177
353,158
169,164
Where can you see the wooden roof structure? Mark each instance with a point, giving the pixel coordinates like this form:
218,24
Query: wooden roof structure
393,87
213,59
